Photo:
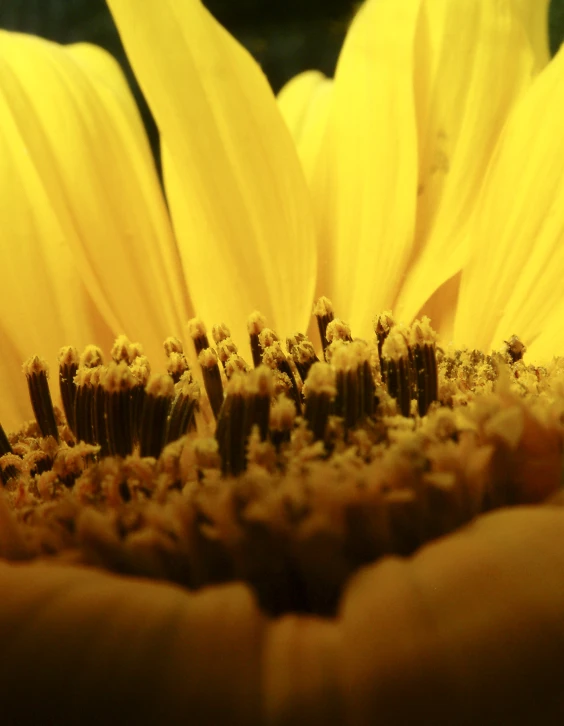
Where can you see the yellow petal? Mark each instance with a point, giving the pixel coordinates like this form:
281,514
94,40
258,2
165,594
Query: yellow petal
87,202
238,197
473,62
534,16
513,282
365,188
304,102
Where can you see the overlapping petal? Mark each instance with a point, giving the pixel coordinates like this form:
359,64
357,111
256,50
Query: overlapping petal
513,282
473,61
237,194
81,205
365,189
304,102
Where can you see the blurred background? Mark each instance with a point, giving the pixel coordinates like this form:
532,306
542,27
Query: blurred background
285,37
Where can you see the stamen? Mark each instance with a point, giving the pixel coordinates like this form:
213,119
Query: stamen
302,352
267,337
225,349
156,406
181,417
274,358
8,461
11,467
84,405
197,331
5,446
395,369
337,330
124,350
212,379
220,332
91,357
320,391
177,365
256,323
68,367
323,311
246,405
282,420
172,345
36,371
383,323
422,351
118,384
515,349
141,372
98,410
355,383
235,364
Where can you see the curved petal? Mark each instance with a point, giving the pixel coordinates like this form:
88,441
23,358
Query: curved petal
365,187
473,61
86,202
513,282
534,16
238,197
304,102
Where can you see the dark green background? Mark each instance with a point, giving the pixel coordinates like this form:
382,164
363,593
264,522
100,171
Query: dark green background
285,36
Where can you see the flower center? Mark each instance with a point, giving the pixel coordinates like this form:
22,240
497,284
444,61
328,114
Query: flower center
288,474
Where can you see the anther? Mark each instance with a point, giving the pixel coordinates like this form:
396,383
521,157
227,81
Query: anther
9,463
422,351
235,364
141,371
282,420
172,345
267,337
515,348
197,331
124,349
11,467
220,332
225,349
181,417
212,379
98,410
5,446
246,405
355,383
118,384
323,311
273,357
156,406
302,352
256,323
36,372
320,391
91,357
68,366
337,330
396,369
176,366
84,405
383,323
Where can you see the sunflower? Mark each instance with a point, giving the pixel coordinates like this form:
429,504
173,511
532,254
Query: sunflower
426,178
431,181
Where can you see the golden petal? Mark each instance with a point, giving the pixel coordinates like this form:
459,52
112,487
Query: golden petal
304,103
238,197
473,62
365,189
82,201
513,282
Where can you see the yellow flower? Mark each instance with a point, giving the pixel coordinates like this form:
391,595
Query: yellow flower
432,174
